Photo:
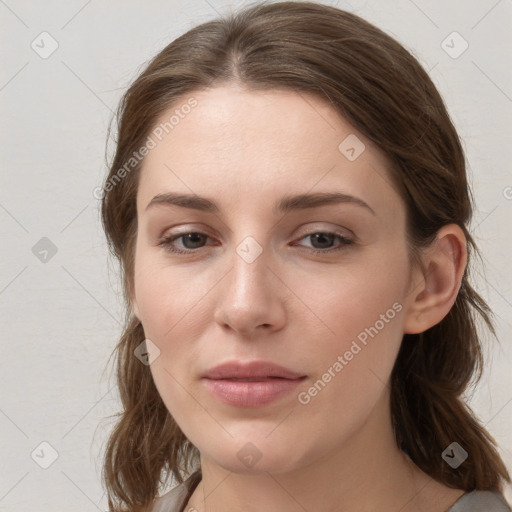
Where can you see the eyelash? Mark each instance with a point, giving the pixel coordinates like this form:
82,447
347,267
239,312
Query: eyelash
166,242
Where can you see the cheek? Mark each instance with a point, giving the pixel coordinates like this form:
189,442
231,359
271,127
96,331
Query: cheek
167,298
353,365
171,304
352,299
359,312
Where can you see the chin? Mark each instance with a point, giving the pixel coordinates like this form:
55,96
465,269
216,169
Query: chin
256,457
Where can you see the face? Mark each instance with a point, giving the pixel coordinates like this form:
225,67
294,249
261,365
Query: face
240,273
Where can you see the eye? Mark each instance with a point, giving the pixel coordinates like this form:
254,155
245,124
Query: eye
191,240
322,241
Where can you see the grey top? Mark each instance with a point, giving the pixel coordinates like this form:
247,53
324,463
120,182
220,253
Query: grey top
173,501
476,501
480,501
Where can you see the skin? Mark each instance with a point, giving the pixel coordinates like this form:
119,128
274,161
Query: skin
246,150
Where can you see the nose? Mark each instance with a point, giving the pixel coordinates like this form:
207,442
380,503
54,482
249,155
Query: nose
251,297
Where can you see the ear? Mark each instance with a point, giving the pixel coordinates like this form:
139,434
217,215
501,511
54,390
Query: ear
434,290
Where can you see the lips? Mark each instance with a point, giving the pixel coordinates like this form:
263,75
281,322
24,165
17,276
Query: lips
250,372
250,385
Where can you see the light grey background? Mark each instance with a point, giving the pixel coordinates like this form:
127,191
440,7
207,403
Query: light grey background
61,318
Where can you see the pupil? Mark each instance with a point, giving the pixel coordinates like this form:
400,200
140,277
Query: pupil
195,238
325,237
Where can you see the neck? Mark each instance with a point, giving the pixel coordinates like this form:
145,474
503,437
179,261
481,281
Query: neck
368,472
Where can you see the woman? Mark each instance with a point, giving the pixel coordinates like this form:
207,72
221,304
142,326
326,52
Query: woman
289,204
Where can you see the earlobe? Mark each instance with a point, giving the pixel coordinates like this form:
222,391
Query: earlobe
134,305
432,299
135,309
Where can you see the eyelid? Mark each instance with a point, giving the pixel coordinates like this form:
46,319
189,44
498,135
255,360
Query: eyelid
177,230
345,232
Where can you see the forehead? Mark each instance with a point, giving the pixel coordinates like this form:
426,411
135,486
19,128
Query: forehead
261,144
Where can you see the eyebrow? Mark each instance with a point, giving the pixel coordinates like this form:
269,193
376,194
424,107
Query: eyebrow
284,205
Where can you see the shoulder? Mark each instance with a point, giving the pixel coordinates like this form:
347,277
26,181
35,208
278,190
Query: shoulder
480,501
171,501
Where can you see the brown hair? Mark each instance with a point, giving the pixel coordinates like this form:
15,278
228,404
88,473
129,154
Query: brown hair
381,89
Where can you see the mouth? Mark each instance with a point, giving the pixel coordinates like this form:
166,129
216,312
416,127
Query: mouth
251,392
251,371
253,379
251,384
